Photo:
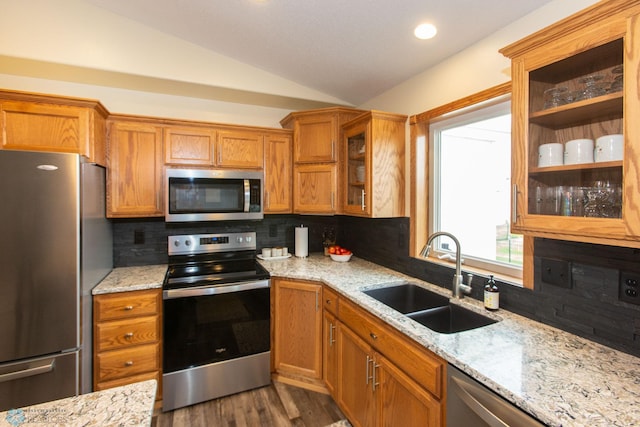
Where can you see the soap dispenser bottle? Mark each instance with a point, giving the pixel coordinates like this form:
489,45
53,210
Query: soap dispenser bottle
491,295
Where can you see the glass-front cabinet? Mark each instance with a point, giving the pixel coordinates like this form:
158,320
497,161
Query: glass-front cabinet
575,127
373,165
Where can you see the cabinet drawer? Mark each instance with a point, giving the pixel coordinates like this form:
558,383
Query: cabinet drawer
126,304
424,367
330,300
117,364
126,332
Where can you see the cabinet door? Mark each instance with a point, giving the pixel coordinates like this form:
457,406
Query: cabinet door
240,150
314,188
330,351
189,146
45,127
134,175
277,174
564,89
357,171
404,402
355,375
298,328
316,137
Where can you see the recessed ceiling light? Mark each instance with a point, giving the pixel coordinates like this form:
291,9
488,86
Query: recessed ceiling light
425,31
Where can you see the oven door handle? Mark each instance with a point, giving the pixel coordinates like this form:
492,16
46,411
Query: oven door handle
215,290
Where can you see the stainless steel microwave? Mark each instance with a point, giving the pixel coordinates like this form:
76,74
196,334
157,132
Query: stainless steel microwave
212,195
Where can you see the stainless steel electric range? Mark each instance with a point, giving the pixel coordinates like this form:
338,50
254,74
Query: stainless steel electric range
216,303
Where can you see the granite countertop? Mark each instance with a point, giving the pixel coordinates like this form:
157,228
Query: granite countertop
127,279
129,405
560,378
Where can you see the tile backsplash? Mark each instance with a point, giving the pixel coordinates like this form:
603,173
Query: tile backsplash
588,307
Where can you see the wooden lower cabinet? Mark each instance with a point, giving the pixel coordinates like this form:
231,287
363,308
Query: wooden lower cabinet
126,338
330,351
297,342
372,391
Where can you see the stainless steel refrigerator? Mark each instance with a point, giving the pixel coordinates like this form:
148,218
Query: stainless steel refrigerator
55,246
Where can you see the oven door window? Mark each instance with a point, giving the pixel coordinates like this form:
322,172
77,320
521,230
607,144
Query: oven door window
206,195
206,329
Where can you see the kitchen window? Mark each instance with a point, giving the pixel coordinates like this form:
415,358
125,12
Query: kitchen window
463,170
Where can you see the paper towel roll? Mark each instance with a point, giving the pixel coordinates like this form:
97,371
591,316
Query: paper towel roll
302,241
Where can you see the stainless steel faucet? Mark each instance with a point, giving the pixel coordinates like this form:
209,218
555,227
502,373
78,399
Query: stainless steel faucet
457,288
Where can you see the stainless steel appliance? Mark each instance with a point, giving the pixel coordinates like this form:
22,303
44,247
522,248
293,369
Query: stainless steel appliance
55,246
213,195
216,306
469,403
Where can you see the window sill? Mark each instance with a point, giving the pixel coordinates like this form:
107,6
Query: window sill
511,280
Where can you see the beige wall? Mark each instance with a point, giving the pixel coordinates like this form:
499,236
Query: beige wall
71,48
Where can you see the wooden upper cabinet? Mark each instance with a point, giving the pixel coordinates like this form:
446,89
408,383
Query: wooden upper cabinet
56,124
277,173
240,149
373,165
314,188
135,170
189,146
317,133
580,58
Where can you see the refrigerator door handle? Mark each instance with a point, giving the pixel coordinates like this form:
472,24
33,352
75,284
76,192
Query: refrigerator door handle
29,372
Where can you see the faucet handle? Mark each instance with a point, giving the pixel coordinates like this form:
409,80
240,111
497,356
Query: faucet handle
469,278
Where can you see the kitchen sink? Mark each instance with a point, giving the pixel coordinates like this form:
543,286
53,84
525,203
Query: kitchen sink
429,308
450,319
408,298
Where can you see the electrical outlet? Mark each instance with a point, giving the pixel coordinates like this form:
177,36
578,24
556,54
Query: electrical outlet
630,287
556,272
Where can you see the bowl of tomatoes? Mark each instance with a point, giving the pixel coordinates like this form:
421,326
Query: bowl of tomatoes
340,254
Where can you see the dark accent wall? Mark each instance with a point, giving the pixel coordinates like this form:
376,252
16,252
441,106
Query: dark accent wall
589,307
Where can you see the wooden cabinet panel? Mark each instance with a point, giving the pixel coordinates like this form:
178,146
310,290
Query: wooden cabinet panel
127,333
330,300
355,374
130,361
405,403
373,165
566,56
277,174
298,328
124,305
316,138
189,146
315,188
124,333
330,351
240,150
39,124
134,175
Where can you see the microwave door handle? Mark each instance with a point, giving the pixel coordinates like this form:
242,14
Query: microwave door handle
247,195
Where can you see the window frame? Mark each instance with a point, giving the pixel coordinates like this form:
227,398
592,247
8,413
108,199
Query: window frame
420,201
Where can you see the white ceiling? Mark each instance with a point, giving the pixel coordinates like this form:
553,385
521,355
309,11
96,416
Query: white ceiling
350,49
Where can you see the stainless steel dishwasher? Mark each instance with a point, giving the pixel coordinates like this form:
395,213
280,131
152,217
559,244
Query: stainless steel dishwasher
469,403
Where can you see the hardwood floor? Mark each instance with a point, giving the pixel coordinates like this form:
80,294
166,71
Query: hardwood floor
277,405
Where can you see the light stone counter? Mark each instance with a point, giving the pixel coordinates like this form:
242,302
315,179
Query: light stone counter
561,379
127,279
129,405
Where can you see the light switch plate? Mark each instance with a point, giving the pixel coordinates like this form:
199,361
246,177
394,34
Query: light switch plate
556,272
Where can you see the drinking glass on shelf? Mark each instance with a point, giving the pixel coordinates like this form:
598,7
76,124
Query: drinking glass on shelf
555,97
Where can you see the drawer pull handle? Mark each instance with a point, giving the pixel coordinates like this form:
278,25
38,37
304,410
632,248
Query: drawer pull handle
128,308
128,363
128,335
373,336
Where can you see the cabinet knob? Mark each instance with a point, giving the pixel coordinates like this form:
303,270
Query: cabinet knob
128,335
373,336
128,308
128,363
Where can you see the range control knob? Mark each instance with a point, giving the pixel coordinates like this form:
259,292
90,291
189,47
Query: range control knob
248,239
176,243
239,239
187,242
